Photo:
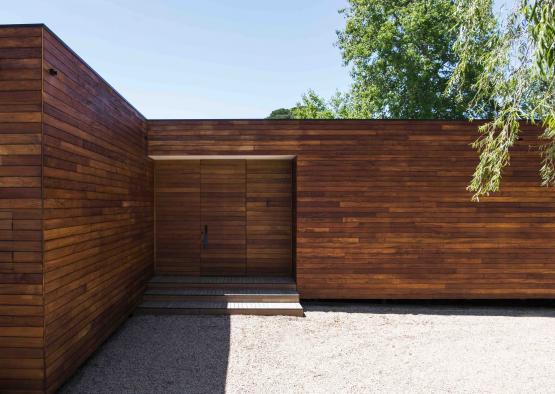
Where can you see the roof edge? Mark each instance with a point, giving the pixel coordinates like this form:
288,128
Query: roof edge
66,46
312,120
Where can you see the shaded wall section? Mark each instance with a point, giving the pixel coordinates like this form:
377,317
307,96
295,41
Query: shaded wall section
177,222
98,228
21,273
244,206
382,209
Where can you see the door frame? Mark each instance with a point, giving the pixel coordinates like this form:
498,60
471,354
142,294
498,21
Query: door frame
292,158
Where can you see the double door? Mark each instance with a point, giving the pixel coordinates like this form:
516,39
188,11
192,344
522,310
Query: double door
223,217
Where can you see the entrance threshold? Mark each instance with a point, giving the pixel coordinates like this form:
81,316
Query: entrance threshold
221,295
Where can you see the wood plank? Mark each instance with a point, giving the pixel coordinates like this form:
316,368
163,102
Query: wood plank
21,271
269,217
382,209
223,217
178,217
98,210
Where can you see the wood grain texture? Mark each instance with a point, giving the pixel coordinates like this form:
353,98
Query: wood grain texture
98,208
223,214
177,188
245,206
382,210
21,271
269,217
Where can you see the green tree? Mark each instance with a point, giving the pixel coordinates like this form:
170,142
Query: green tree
401,58
517,75
313,106
281,113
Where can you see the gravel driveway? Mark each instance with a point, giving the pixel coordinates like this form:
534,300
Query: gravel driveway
337,347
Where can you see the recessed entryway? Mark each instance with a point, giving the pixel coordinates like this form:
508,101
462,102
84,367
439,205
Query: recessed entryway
224,237
224,217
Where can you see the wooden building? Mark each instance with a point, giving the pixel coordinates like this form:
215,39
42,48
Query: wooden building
95,199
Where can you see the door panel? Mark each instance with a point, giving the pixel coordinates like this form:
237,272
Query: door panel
246,206
269,217
223,197
177,201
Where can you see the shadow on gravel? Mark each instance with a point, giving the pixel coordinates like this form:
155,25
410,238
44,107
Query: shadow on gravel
159,354
537,308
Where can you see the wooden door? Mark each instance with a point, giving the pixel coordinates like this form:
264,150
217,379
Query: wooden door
223,217
177,203
269,217
245,206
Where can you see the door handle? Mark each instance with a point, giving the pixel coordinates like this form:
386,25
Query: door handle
205,237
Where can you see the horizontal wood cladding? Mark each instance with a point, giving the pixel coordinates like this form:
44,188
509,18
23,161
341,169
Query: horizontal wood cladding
177,188
223,217
21,272
382,210
240,208
269,217
97,219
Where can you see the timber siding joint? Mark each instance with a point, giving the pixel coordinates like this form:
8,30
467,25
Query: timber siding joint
80,201
379,209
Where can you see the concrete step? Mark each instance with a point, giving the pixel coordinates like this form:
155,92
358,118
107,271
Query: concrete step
221,308
222,295
174,282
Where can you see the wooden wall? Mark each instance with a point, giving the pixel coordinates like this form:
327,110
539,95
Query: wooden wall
382,210
223,196
21,273
177,188
98,229
269,217
76,210
245,206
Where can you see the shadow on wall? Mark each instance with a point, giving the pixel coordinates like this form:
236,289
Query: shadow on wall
514,308
159,354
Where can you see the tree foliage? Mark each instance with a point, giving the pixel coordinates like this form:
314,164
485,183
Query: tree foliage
518,77
313,106
401,58
280,113
451,59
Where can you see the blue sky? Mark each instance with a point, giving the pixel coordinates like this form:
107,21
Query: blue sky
201,58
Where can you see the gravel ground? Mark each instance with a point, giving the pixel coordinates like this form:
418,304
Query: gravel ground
338,347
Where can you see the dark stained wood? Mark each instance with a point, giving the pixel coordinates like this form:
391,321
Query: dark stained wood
98,211
223,214
246,206
177,186
269,227
21,270
382,209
